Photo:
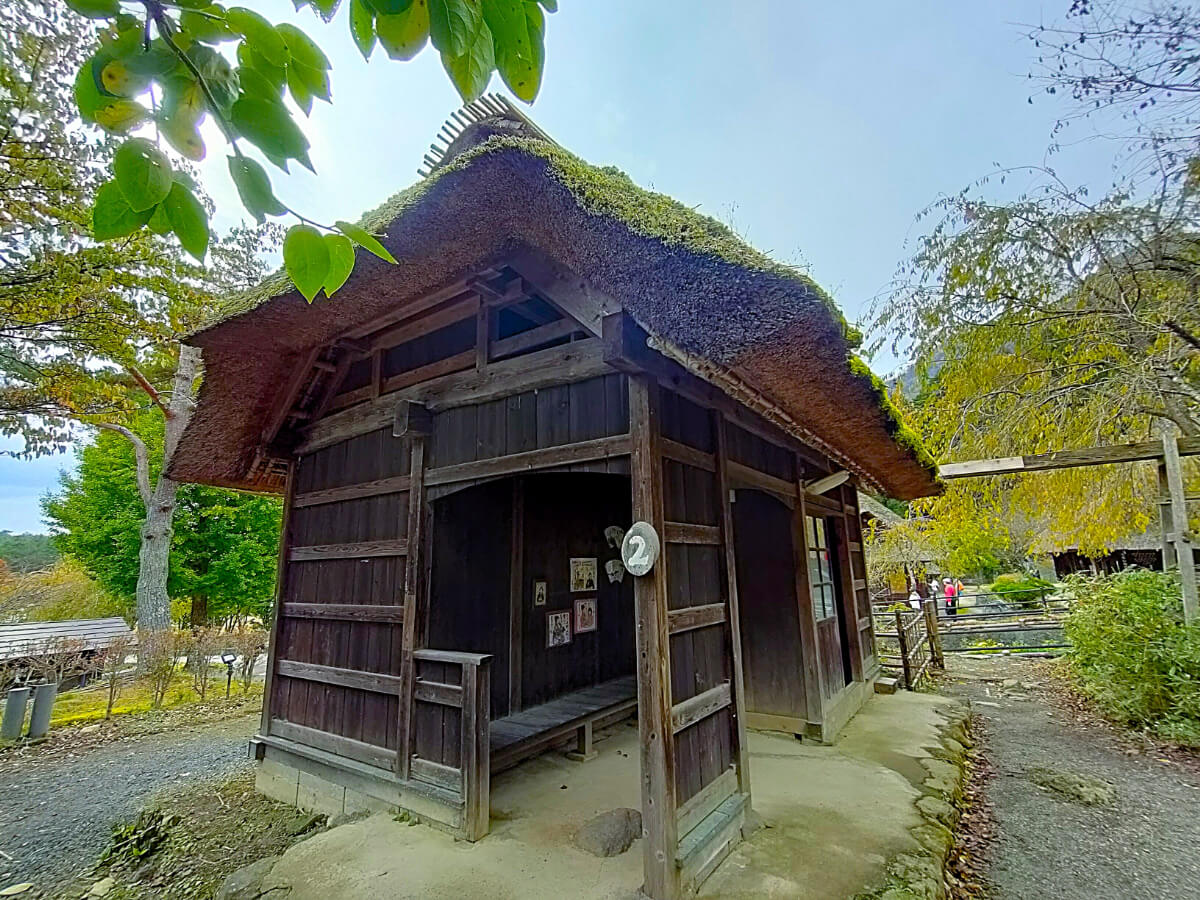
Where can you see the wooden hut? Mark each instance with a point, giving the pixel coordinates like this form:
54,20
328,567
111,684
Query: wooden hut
463,439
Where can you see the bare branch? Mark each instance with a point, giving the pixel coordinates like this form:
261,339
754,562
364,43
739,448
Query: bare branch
141,457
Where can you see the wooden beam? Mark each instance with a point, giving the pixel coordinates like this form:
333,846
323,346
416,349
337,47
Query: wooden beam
689,456
1066,459
1184,555
412,419
352,550
395,485
744,476
543,334
574,362
346,612
445,777
660,829
814,692
691,617
564,288
742,751
380,757
459,362
827,484
475,750
347,678
414,593
531,460
436,692
281,578
287,397
690,711
686,533
461,308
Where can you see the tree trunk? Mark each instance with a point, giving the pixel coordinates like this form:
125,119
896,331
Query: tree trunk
153,601
199,612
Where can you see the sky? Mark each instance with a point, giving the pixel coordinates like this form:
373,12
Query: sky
818,131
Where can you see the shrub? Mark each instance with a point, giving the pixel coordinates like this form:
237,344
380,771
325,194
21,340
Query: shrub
1132,652
1019,587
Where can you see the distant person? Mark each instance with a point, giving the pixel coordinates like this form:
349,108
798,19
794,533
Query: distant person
914,599
951,596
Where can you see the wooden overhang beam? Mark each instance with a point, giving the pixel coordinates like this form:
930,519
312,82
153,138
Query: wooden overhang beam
1066,459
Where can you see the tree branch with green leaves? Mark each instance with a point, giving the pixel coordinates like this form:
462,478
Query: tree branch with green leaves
172,64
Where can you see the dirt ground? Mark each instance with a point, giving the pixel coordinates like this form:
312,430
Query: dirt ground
1081,812
58,803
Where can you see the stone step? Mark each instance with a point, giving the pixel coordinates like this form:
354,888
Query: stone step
886,685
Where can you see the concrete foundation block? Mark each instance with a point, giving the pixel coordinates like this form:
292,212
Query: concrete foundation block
277,781
320,796
358,802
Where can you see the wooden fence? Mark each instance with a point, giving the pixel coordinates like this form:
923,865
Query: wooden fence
910,645
451,732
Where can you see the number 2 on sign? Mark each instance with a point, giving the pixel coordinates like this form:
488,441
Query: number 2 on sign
639,557
639,549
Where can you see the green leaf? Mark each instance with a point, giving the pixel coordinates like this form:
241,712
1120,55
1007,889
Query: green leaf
159,223
207,24
306,259
118,78
362,27
218,74
341,262
188,220
181,133
88,98
157,62
404,35
315,81
472,71
453,25
389,7
121,116
302,47
254,187
255,84
270,127
112,216
95,9
299,89
517,28
260,34
364,239
143,173
551,6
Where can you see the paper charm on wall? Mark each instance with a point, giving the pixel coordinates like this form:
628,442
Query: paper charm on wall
615,570
539,593
558,628
614,534
585,614
583,573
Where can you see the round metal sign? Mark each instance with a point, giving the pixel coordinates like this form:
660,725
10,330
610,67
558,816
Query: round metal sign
640,548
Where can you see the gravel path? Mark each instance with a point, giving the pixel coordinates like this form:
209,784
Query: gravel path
57,811
1142,844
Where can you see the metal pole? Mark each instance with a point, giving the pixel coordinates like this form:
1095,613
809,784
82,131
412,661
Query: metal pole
1179,538
43,706
228,679
14,713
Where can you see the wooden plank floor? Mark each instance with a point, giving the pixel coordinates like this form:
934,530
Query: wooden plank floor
528,724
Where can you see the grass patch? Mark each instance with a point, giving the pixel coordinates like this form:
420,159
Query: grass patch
185,844
88,704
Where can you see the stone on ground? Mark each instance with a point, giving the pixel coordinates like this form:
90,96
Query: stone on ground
1080,788
103,887
610,833
246,882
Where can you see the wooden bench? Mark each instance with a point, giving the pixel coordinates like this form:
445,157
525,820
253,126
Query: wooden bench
531,731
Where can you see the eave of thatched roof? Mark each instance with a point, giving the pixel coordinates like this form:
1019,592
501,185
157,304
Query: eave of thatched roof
699,291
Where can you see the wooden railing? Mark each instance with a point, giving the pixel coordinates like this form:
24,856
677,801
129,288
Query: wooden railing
912,645
451,730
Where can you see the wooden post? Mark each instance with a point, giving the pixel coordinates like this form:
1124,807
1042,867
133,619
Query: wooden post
414,587
1164,517
814,689
285,540
935,636
902,640
1184,555
733,615
476,755
516,596
660,837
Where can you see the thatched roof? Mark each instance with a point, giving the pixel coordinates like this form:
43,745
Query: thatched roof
700,292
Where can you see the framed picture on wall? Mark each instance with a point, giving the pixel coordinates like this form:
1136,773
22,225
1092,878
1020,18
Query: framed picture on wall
583,573
558,628
539,593
585,614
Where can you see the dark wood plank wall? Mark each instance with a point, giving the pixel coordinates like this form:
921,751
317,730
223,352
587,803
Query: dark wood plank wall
700,658
532,420
337,651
